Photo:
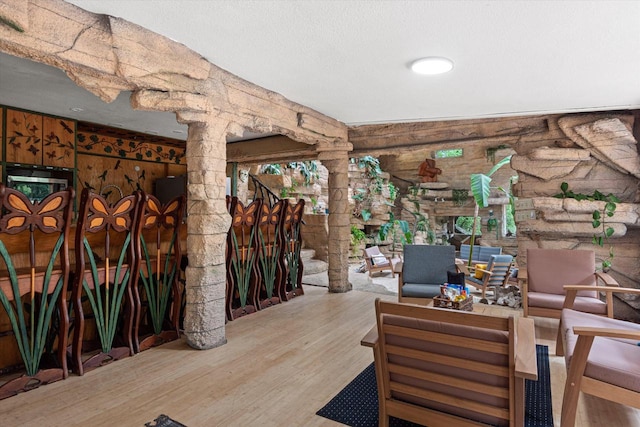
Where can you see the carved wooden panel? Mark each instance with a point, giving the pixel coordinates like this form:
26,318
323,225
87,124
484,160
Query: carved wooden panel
24,137
58,140
106,175
138,149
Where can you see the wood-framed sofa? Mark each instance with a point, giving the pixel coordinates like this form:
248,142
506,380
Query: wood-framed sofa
444,367
481,254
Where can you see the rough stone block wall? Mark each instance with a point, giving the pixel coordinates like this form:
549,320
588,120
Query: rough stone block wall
589,152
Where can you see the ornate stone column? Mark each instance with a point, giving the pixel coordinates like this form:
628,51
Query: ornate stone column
207,226
336,160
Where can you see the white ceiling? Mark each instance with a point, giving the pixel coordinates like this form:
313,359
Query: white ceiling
349,59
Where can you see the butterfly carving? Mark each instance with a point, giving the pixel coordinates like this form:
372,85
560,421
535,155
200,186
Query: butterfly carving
270,216
293,213
245,216
167,216
100,214
48,215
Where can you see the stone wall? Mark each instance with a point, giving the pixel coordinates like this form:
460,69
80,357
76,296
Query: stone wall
589,152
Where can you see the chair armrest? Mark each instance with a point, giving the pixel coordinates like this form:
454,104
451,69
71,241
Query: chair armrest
523,280
607,332
526,362
607,279
371,338
572,291
397,266
462,268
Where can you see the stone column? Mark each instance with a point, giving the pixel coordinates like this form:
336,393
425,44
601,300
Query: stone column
336,160
207,225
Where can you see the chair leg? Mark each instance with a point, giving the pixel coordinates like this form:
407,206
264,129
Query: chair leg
559,341
574,381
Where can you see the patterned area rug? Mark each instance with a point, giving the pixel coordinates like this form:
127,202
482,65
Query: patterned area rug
357,404
164,421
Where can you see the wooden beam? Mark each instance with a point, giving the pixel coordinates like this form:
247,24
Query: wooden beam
269,150
381,138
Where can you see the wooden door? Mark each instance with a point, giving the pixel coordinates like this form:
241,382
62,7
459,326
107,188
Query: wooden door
24,137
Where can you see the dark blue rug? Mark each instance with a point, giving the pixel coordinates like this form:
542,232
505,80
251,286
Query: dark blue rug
357,404
164,421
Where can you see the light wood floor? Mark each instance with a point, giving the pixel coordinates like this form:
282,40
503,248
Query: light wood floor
278,368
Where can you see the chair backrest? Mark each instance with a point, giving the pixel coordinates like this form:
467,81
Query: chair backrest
106,265
450,362
372,251
160,254
480,253
548,270
428,263
499,266
34,272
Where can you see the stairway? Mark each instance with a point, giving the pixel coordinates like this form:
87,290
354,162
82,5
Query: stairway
311,265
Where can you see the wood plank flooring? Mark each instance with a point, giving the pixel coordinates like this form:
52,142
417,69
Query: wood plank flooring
278,368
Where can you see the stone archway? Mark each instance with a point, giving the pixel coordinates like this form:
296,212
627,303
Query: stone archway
107,55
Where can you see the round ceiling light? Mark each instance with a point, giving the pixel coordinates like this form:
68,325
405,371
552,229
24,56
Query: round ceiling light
432,65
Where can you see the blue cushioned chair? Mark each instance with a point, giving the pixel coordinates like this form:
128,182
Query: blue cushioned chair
495,274
423,271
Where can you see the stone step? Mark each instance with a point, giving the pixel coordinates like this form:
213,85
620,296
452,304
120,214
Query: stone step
307,254
314,266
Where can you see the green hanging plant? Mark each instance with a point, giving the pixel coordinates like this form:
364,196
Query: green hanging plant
598,216
459,196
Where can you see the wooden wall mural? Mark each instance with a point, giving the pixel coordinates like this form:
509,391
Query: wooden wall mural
39,140
108,176
96,144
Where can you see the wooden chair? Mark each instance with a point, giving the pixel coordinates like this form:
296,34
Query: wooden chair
602,355
271,264
243,275
550,270
376,261
495,274
292,244
105,268
424,269
34,275
441,367
156,292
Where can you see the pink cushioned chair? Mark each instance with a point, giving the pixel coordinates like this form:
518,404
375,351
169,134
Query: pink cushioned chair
549,270
602,356
377,261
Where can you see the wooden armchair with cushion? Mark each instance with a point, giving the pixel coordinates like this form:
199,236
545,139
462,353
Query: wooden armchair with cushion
376,261
442,367
424,269
602,356
550,270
